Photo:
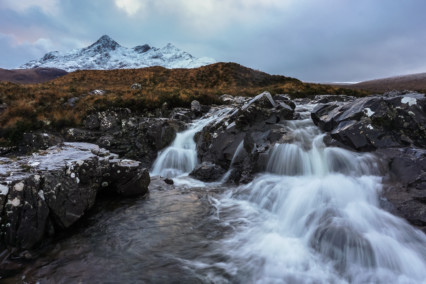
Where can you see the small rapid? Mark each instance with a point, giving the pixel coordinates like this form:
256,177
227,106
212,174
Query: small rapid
314,217
181,157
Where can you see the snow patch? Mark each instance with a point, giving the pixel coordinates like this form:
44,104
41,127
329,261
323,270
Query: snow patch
41,194
4,189
409,100
368,111
370,127
14,202
19,186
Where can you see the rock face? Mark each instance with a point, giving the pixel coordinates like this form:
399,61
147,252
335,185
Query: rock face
52,189
131,136
243,138
393,126
405,186
366,124
207,171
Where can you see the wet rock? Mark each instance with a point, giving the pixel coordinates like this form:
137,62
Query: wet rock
129,135
366,124
127,178
38,141
52,189
249,130
405,185
207,171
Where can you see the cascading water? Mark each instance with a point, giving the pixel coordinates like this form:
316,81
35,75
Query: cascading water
314,218
181,157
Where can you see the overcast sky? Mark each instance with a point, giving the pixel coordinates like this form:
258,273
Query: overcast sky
312,40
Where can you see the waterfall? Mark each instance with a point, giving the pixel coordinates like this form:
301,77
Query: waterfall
181,157
314,217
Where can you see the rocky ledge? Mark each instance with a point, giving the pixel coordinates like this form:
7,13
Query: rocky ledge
52,189
393,126
243,138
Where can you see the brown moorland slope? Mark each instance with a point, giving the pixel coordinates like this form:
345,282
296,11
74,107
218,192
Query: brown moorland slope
30,76
66,100
413,82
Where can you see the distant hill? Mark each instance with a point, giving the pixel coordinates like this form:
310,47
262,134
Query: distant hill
107,54
30,76
415,82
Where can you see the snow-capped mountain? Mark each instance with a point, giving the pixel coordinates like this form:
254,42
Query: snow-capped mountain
108,54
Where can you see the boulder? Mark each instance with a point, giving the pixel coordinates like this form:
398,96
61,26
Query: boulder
129,135
366,124
33,141
249,130
52,189
405,185
207,171
196,107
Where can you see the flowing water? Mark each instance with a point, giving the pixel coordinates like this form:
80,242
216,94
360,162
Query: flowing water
313,217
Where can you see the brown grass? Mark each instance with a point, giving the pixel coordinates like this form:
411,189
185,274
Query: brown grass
36,106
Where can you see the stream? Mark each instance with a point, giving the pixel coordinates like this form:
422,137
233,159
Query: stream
312,217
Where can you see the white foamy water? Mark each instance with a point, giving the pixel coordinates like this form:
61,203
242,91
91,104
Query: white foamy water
181,157
313,218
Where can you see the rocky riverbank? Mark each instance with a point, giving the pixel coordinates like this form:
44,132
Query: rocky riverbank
51,189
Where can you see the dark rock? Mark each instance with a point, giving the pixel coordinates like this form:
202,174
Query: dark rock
168,181
207,171
52,189
405,185
196,107
375,122
182,114
127,178
243,137
129,135
38,141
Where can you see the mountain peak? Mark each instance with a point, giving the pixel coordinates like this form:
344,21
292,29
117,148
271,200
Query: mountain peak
106,53
105,42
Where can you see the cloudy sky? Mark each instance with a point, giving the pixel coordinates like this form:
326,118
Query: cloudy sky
313,40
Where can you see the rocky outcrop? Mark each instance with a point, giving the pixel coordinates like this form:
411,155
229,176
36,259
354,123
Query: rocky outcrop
52,189
366,124
207,171
405,185
34,141
244,137
126,134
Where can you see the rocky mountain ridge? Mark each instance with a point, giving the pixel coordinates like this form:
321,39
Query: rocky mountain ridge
106,54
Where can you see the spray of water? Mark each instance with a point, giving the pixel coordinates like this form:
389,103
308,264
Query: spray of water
181,157
315,218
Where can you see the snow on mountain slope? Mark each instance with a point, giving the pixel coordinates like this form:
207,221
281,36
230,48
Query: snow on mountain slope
108,54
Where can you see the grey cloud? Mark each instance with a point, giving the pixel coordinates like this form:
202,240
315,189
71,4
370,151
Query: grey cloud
330,40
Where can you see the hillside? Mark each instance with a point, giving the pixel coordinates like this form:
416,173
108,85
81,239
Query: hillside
66,100
28,76
415,82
